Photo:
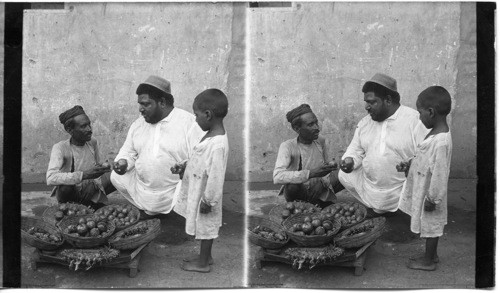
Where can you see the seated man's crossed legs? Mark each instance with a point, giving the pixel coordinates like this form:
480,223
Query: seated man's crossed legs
87,192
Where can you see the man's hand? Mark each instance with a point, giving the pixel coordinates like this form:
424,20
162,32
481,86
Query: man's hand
179,169
322,170
429,206
347,165
120,167
205,208
94,172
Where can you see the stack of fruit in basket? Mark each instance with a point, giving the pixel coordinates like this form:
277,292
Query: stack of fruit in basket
317,224
87,227
57,212
282,212
268,233
123,215
44,235
348,213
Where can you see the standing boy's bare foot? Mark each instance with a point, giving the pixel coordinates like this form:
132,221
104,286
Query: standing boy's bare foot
421,264
195,267
197,258
435,259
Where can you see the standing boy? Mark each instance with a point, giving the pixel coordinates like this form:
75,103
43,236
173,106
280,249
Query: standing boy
424,195
200,198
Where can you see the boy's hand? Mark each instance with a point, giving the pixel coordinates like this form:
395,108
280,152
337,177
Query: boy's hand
429,206
404,167
205,208
179,169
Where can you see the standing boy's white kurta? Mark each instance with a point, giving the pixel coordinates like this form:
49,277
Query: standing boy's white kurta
376,148
428,178
151,150
203,181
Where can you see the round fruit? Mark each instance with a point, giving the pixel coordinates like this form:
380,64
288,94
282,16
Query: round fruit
351,209
106,213
94,232
81,229
63,207
285,214
289,206
111,217
359,218
297,227
126,219
102,227
132,219
307,219
70,213
307,228
328,225
90,224
336,216
72,229
316,223
320,230
81,221
121,215
328,216
297,211
127,223
125,211
59,215
347,214
300,233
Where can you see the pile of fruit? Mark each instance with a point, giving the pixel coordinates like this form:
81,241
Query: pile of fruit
296,207
43,235
347,213
312,255
122,215
135,232
87,227
269,234
317,224
88,257
64,209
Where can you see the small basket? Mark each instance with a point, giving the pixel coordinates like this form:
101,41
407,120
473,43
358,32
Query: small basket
28,222
49,213
154,229
135,213
361,211
85,242
309,240
275,212
260,241
354,241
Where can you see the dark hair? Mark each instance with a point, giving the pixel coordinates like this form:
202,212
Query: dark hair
214,100
69,124
381,91
155,94
436,97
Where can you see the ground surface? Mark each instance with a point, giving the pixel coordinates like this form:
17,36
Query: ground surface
160,263
385,265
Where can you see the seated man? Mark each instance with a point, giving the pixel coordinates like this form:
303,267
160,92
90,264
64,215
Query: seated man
157,141
384,138
74,167
302,162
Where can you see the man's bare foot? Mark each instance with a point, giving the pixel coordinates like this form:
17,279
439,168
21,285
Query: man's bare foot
421,264
197,258
435,259
195,267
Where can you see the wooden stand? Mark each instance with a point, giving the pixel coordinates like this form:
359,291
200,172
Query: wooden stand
350,258
128,259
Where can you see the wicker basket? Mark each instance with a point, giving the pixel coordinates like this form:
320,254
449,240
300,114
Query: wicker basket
344,241
28,222
275,212
133,210
85,242
309,240
49,213
154,229
361,211
260,241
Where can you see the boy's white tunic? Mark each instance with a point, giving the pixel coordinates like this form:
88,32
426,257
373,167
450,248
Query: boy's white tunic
376,148
203,181
151,150
428,178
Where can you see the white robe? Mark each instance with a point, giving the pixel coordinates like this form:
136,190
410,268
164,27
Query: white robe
203,181
377,147
151,150
428,178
